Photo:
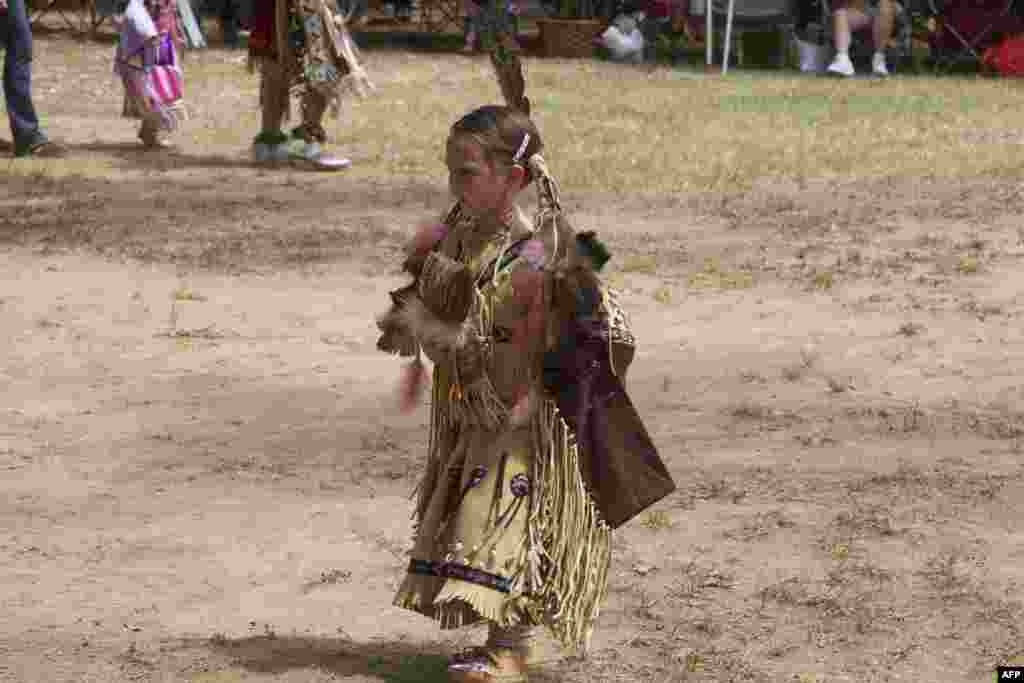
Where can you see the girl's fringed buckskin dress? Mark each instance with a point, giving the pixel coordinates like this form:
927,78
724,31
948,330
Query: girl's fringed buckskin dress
535,453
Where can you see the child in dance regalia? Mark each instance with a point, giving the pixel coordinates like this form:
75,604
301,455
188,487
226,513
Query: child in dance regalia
301,47
535,453
147,62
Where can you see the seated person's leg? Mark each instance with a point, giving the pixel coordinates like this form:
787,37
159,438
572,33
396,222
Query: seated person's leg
651,29
229,23
403,9
845,20
883,27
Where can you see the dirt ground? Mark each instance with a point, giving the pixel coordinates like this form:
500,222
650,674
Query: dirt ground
206,479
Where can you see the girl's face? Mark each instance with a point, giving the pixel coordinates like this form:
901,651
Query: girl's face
484,188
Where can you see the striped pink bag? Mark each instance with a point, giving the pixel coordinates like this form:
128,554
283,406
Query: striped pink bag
164,76
165,85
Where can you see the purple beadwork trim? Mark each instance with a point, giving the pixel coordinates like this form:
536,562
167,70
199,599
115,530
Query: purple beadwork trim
520,485
453,570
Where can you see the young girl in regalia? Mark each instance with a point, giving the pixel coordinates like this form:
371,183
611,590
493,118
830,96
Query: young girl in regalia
536,453
147,61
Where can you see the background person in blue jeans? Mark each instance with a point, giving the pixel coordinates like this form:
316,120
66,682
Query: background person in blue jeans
16,39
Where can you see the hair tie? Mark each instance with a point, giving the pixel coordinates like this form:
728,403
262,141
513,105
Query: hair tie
522,149
537,165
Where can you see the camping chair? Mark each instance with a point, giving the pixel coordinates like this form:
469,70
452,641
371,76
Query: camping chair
966,27
746,15
902,34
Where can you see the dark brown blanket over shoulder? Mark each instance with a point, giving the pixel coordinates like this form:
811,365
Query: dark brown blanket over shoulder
619,461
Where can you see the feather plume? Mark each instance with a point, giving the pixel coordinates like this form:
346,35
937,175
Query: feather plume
508,67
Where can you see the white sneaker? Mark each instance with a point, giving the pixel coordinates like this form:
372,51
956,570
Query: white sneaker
313,156
842,66
262,153
878,66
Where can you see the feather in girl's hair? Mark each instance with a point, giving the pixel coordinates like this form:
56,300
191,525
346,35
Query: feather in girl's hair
509,70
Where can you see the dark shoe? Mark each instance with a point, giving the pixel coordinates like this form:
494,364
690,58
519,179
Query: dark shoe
153,140
42,150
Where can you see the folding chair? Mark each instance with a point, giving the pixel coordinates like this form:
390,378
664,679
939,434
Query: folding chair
966,28
745,15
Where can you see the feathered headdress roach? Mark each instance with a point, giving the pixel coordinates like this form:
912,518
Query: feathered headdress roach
505,59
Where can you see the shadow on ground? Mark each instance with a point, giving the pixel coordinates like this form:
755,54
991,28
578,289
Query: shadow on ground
242,223
393,661
139,156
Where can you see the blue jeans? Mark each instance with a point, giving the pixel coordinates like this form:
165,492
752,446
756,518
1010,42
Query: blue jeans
16,37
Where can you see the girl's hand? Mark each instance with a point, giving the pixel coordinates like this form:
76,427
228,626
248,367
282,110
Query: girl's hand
528,294
428,236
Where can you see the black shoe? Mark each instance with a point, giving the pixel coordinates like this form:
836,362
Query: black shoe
42,150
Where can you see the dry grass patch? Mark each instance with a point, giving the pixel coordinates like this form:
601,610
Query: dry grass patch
640,263
823,279
715,489
761,525
663,295
911,329
749,410
711,276
863,521
968,265
187,294
657,520
607,128
982,311
839,385
752,377
797,371
695,580
945,573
